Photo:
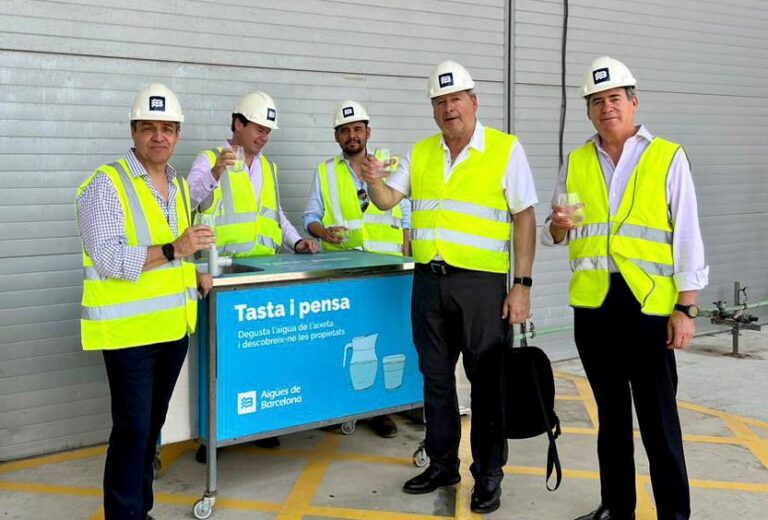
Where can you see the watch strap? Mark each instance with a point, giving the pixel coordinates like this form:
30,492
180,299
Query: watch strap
169,252
525,281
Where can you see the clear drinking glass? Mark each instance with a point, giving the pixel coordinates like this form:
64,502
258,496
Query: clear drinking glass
388,160
573,206
205,219
239,160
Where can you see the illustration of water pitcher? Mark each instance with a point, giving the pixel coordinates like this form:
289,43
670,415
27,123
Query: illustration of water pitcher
363,362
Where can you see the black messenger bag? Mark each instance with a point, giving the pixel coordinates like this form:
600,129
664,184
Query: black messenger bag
528,399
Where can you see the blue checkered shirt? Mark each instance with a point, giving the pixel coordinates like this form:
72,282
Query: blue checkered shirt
102,222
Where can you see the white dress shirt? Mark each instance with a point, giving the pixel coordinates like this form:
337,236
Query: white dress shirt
691,271
202,184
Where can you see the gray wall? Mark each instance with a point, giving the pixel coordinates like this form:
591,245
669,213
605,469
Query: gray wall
68,74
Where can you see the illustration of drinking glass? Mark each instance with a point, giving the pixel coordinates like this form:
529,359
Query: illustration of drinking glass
572,205
239,164
394,367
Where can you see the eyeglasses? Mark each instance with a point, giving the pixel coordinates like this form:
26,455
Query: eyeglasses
363,196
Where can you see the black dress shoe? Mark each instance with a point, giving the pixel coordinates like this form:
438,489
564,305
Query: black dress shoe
485,500
603,513
384,426
428,481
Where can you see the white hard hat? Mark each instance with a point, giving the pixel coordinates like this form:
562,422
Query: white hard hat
349,112
449,77
156,103
258,107
604,74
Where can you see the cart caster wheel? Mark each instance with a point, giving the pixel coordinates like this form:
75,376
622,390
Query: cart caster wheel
201,455
348,428
420,458
203,508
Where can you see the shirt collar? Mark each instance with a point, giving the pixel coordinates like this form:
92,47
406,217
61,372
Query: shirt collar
477,141
642,133
137,169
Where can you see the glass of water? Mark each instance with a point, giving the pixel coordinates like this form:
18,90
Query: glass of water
239,164
387,159
205,219
571,203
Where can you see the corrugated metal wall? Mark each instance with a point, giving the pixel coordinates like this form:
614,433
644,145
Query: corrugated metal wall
701,80
69,70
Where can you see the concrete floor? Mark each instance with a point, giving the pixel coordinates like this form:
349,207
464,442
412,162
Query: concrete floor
324,475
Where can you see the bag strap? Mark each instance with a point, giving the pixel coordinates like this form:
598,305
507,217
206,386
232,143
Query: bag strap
553,459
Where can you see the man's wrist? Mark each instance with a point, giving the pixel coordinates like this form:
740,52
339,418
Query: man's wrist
525,281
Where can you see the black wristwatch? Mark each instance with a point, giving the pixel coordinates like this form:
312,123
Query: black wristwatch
691,311
525,281
169,252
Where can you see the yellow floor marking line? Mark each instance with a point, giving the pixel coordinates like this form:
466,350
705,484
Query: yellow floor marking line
98,515
83,453
365,514
756,445
582,385
645,509
578,431
300,498
464,488
722,415
726,485
568,397
34,487
171,452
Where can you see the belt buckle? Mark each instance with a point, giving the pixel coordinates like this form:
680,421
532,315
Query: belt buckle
438,268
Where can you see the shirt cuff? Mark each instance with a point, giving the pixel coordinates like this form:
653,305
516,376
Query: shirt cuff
547,239
133,262
692,280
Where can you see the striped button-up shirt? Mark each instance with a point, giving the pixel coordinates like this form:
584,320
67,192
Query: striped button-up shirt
101,222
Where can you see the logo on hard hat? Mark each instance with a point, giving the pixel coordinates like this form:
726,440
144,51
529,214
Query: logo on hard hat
445,80
271,114
156,103
601,75
348,111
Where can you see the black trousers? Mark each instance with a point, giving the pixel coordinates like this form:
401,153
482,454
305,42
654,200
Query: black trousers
141,381
625,357
460,312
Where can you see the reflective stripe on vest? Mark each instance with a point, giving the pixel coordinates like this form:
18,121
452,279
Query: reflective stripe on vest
374,230
245,227
161,305
638,238
466,220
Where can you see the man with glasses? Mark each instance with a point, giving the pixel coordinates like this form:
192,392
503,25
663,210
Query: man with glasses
340,214
468,184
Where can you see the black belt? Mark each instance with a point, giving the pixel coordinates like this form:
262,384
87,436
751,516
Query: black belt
440,268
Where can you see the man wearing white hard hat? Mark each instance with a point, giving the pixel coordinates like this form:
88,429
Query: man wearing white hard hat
468,184
246,201
339,213
140,291
637,258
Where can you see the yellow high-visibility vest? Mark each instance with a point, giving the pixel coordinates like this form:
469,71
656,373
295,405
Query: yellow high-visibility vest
161,305
638,237
374,230
243,226
466,220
